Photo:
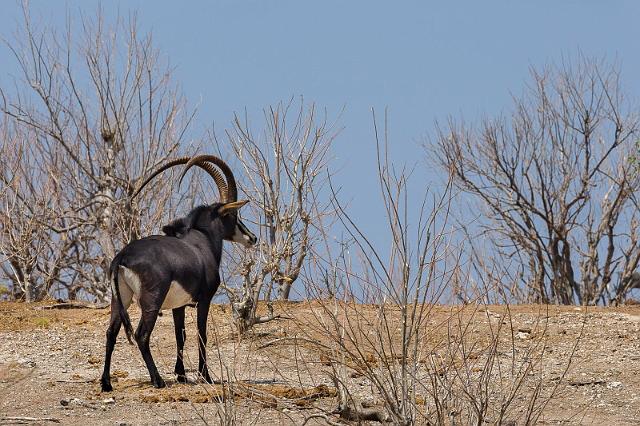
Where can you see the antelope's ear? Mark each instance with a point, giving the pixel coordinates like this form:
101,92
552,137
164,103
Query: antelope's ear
227,208
176,228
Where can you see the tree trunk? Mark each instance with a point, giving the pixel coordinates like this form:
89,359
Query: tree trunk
243,314
284,289
30,291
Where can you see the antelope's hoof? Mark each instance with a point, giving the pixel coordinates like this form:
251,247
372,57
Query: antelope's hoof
106,387
182,378
159,383
206,378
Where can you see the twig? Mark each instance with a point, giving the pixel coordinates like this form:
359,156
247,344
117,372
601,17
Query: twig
322,416
284,339
348,409
350,413
20,420
70,305
262,320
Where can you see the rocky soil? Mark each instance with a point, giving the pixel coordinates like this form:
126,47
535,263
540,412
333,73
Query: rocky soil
51,361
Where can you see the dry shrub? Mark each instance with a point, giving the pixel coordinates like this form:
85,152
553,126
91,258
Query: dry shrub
379,340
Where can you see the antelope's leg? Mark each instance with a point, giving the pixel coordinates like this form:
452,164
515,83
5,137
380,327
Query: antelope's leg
178,320
143,334
112,334
203,312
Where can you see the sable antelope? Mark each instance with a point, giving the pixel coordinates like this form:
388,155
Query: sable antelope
174,270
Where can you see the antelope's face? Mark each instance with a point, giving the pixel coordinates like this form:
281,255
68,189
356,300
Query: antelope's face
235,230
242,235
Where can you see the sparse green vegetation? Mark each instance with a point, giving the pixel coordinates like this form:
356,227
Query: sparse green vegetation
42,322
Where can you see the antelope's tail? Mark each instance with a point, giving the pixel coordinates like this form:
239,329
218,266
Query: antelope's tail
115,290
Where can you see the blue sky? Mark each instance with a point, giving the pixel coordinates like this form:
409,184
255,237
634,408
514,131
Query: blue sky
422,60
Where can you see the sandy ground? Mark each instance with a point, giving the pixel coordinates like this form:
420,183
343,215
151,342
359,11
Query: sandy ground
51,361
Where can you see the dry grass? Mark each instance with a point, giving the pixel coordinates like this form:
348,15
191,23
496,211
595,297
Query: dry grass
281,372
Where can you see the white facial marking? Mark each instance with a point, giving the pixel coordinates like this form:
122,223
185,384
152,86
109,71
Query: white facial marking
241,238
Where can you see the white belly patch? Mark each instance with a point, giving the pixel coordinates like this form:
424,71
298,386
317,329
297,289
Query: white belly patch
130,286
176,297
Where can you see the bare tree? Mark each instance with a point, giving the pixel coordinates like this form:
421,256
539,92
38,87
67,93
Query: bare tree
402,284
284,176
102,111
555,182
379,322
24,241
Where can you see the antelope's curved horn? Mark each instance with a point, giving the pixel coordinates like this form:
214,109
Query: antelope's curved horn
215,174
231,188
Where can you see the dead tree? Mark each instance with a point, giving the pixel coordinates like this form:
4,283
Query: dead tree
103,111
554,181
284,176
32,255
402,279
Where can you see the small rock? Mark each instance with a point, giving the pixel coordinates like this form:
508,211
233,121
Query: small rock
68,402
614,385
27,362
109,401
522,335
